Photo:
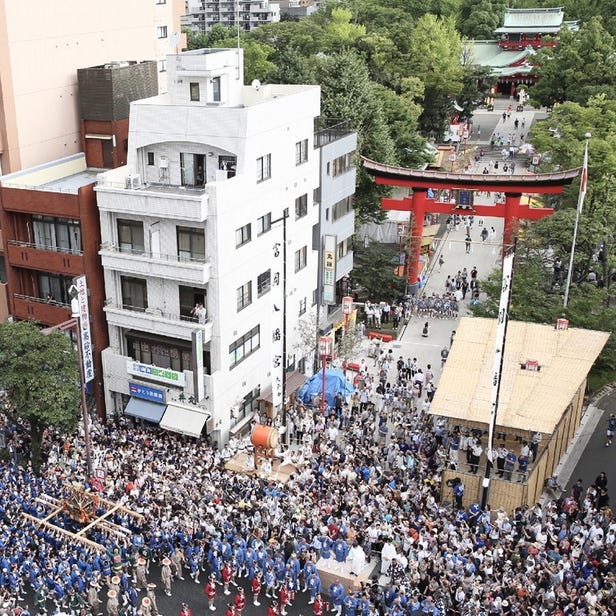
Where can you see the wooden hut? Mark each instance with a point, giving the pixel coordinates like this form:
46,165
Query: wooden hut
542,391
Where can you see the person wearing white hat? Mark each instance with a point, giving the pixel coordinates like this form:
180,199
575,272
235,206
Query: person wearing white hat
113,606
151,595
93,600
165,576
141,581
146,606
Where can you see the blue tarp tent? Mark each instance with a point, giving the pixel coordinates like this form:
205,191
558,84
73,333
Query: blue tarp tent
335,382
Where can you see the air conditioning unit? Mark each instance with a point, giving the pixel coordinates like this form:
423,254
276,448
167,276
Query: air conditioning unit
133,181
163,162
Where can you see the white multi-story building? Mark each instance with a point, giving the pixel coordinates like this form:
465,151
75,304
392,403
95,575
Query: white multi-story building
201,15
217,174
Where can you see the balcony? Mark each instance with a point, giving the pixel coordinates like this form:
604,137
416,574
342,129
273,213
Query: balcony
28,308
46,258
195,272
127,195
155,321
327,131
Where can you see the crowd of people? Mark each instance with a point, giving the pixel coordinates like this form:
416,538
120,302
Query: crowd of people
367,485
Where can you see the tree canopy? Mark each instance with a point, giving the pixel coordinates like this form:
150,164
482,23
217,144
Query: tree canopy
583,64
40,375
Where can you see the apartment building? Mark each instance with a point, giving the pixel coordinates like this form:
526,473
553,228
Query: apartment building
201,15
49,216
42,44
207,246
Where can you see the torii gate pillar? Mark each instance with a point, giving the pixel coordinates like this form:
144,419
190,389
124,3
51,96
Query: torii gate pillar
418,208
511,218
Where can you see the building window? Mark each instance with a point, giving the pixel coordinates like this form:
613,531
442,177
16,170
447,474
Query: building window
301,258
301,206
150,159
161,31
54,288
189,298
130,236
315,297
302,306
195,94
243,235
343,248
57,234
161,352
316,195
342,164
264,224
301,152
216,94
342,208
162,66
264,283
244,347
244,296
134,293
191,244
264,168
161,1
248,405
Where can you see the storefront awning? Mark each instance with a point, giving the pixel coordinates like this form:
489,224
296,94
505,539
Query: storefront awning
294,381
150,411
189,421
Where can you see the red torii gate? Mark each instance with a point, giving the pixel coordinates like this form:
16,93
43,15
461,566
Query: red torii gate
418,203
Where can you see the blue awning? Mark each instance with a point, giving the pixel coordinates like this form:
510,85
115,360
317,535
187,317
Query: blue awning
150,411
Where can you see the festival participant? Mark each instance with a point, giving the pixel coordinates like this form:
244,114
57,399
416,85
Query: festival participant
319,607
185,610
210,592
166,576
255,586
239,601
151,595
113,605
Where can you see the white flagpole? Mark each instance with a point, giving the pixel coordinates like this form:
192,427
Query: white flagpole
578,211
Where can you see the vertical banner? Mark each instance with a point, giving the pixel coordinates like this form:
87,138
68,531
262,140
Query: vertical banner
329,269
277,324
84,329
197,364
501,328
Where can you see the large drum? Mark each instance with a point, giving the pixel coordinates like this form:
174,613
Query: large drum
264,436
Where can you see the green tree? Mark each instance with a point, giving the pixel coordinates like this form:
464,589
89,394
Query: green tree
374,270
348,93
478,19
40,374
340,32
535,299
583,64
436,51
401,112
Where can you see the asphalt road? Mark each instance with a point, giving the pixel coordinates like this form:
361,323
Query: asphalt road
597,457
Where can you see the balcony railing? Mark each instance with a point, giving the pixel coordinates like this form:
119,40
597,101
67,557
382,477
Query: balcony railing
40,300
153,255
326,132
66,251
155,312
